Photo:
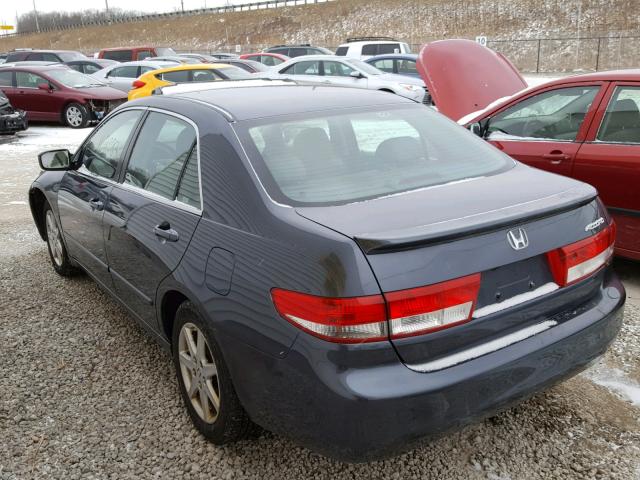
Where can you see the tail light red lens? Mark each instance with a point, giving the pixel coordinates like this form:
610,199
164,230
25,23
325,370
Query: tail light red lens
364,319
342,320
434,307
138,84
576,261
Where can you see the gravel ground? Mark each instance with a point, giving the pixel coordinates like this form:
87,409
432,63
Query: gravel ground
85,394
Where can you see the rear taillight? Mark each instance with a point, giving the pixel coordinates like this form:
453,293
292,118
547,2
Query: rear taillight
427,309
342,320
138,84
575,261
364,319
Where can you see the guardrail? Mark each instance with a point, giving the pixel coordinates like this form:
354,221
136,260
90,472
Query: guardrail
264,4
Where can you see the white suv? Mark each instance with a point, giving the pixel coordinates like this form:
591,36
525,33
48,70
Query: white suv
365,47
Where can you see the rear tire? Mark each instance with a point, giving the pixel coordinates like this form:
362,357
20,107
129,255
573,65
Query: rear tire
57,251
75,115
205,383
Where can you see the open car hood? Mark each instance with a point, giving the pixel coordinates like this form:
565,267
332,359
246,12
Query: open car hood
464,77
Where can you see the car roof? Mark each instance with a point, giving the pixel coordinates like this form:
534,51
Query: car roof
39,68
112,49
632,74
398,56
144,63
36,50
360,42
266,101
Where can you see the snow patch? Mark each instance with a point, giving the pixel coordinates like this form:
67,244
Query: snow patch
615,381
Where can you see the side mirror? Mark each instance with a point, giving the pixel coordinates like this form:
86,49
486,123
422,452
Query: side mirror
44,86
356,74
476,129
55,160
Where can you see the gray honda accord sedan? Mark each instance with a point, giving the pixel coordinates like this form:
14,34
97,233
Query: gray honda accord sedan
344,267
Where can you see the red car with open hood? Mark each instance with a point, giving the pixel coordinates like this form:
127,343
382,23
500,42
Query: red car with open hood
583,126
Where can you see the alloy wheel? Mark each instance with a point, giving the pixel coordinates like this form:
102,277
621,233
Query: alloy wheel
54,239
199,372
74,116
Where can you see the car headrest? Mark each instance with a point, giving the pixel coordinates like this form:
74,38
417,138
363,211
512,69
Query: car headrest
401,150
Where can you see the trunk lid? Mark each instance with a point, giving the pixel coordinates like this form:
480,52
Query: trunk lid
464,77
455,230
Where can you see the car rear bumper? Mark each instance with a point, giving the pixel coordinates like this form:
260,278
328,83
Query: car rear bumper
362,413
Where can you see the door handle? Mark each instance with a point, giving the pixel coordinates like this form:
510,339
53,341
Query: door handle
556,156
96,204
165,232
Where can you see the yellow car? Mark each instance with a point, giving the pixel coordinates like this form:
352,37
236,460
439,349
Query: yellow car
145,84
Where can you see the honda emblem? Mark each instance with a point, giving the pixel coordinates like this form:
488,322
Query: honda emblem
518,239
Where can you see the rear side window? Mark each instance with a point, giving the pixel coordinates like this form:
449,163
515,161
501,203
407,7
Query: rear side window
77,68
105,148
621,122
180,76
385,48
160,154
308,67
50,57
142,54
327,158
342,51
6,79
35,57
130,71
370,49
119,55
297,52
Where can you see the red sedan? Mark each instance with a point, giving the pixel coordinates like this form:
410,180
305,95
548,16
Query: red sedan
268,59
56,93
584,126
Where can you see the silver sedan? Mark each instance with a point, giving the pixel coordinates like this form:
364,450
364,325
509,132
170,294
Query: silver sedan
122,75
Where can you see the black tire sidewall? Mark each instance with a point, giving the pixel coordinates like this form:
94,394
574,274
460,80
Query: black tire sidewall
85,115
227,426
66,269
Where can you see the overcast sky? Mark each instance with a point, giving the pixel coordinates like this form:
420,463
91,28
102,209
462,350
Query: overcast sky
8,9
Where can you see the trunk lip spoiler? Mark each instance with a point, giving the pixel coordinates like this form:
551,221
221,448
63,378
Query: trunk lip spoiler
573,198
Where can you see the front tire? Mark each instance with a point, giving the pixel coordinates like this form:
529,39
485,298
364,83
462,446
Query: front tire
76,115
57,251
205,383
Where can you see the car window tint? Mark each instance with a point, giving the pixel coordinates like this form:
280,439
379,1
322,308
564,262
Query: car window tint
50,57
385,65
105,148
297,52
342,51
384,48
160,153
308,67
337,69
6,79
180,76
621,122
130,71
142,54
36,57
205,75
119,55
145,69
189,189
329,158
554,115
407,67
89,68
370,49
29,80
77,67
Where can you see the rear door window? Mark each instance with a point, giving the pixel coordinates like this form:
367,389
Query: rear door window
297,52
308,67
553,115
129,71
370,49
180,76
386,65
337,69
621,122
35,57
160,155
407,67
105,149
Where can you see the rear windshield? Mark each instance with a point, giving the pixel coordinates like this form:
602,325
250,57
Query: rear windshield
118,55
234,73
332,158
